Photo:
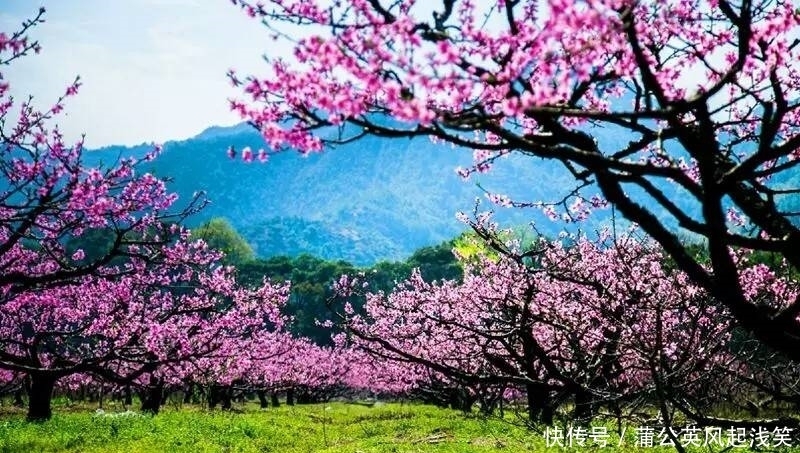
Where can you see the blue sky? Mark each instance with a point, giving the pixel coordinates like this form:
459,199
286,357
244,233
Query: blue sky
152,70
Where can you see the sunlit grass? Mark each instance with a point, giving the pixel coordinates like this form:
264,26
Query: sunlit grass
334,427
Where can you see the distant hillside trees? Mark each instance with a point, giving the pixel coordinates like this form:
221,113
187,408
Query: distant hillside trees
220,235
312,277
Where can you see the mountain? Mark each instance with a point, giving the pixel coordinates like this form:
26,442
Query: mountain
364,201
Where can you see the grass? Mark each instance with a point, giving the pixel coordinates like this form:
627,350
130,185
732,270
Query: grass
335,427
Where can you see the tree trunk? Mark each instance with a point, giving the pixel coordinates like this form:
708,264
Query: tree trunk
303,396
227,397
547,415
40,396
212,399
262,398
18,401
220,394
539,408
290,396
273,396
452,399
127,396
213,396
584,408
151,399
469,401
197,394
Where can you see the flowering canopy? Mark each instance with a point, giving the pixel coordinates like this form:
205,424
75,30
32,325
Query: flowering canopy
152,303
702,94
606,320
48,197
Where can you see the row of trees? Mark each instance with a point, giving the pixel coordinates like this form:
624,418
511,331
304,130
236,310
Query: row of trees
618,324
101,285
641,101
147,305
581,327
311,276
604,327
644,103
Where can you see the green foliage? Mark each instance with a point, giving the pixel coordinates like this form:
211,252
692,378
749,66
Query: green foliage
437,262
384,275
775,261
471,248
311,278
220,235
95,243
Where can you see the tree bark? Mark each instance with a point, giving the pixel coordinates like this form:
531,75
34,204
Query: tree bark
540,409
212,398
40,396
274,399
220,394
127,396
226,397
18,401
262,398
453,401
151,399
584,408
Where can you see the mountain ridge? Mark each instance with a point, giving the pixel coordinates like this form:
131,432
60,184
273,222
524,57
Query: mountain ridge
370,200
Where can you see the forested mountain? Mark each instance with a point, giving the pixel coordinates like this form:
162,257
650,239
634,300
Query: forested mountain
361,202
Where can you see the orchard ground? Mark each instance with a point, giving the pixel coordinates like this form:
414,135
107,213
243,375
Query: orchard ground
335,427
331,427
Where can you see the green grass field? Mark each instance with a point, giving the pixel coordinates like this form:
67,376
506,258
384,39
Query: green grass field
313,428
335,427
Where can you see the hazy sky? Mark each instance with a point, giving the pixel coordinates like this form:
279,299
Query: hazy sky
152,70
